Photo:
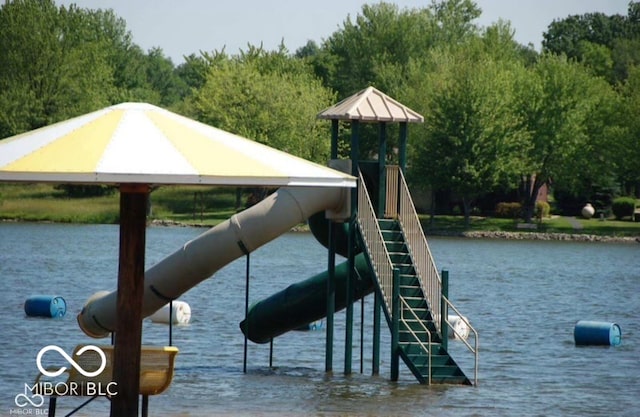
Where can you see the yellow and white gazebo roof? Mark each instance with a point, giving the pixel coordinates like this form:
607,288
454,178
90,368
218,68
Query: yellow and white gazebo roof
144,144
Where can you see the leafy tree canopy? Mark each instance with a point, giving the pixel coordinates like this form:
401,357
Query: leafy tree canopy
269,97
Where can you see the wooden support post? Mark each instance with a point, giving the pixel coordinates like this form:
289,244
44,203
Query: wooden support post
126,361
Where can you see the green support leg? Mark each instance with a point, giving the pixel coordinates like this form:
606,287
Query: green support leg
348,340
444,310
331,298
382,171
377,306
395,327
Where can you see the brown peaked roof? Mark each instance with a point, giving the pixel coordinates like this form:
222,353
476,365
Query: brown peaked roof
371,105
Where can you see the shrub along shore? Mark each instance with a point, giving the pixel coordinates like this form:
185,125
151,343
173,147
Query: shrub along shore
206,207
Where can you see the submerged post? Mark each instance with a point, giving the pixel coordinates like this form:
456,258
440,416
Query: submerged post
377,306
331,298
246,305
444,310
348,342
395,326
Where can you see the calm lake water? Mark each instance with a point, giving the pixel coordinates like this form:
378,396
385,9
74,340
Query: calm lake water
524,297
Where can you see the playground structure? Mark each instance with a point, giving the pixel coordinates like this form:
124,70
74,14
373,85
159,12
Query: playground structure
387,255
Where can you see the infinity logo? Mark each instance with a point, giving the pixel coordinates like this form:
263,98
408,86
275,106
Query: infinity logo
71,361
28,400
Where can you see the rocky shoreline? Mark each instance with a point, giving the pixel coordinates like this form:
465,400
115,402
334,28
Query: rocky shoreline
573,237
528,235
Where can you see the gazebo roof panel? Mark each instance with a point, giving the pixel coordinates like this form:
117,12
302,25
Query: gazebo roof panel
371,105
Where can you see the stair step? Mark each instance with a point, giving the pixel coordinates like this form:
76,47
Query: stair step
397,246
437,361
450,380
441,371
409,279
389,224
399,258
409,337
410,291
417,349
392,236
416,302
418,326
406,269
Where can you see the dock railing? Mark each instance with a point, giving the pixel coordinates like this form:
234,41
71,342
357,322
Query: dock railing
374,242
400,205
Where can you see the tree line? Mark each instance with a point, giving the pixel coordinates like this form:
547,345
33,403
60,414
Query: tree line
502,120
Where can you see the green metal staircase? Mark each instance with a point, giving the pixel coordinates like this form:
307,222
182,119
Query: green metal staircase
419,341
415,304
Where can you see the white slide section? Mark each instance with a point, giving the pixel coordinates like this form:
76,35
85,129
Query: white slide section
201,257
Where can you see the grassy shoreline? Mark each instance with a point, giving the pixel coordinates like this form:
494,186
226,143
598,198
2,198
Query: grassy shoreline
208,206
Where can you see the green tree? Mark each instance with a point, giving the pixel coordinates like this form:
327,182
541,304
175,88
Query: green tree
626,149
193,71
586,38
380,37
556,102
471,133
455,20
269,97
52,66
164,79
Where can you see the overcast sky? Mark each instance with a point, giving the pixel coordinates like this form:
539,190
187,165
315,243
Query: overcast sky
189,26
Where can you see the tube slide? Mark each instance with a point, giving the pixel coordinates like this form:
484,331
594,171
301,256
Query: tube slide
304,302
201,257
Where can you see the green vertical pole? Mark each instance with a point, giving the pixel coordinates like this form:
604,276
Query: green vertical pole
444,310
246,306
395,326
348,337
382,173
362,334
334,138
331,298
348,343
402,154
377,305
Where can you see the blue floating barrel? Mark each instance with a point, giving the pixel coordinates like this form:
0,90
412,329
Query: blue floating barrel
600,333
45,306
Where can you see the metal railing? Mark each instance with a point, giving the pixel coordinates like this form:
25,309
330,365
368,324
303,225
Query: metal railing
374,243
426,348
473,349
400,205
